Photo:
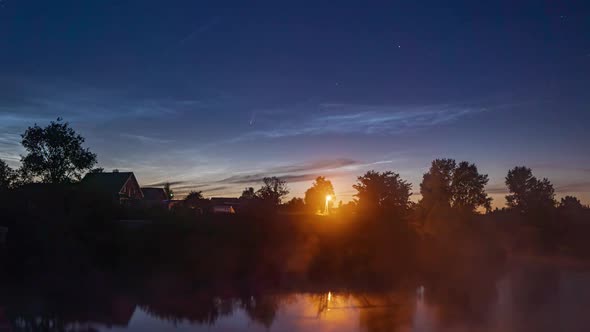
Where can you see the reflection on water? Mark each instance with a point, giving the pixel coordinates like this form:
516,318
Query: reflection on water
529,297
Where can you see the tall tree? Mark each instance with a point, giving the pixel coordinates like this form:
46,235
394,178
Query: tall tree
7,176
436,184
384,191
468,188
194,199
448,184
169,192
527,192
55,153
273,190
315,197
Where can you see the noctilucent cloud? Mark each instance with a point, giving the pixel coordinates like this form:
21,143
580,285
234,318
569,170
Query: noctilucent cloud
215,95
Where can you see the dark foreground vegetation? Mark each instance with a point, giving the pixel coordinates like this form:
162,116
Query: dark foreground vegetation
59,272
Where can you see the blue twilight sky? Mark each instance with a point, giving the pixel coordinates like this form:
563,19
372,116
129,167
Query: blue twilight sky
213,95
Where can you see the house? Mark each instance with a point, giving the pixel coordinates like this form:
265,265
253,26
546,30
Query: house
224,204
154,198
119,187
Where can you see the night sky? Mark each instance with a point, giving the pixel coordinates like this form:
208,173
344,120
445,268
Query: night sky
214,95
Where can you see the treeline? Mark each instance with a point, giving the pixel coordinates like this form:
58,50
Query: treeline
55,155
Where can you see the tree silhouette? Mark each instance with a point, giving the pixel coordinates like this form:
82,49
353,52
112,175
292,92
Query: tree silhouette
55,153
570,203
273,190
383,192
168,191
296,204
194,199
527,192
467,188
248,193
436,184
7,176
347,208
194,196
96,170
447,185
315,197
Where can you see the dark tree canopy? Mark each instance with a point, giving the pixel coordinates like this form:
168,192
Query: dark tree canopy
248,193
527,192
384,191
273,190
315,197
194,199
468,188
296,204
448,184
7,176
96,170
570,203
194,196
55,153
436,184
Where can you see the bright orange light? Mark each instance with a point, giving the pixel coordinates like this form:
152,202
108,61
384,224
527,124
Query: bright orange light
327,207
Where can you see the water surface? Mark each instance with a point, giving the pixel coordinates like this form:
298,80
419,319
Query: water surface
528,297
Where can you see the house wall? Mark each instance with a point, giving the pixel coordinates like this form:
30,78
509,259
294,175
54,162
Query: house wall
131,189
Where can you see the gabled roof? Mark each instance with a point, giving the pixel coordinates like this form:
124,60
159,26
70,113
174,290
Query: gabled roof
111,183
154,194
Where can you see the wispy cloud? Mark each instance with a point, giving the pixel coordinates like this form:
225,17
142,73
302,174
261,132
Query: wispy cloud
333,118
496,189
574,187
29,100
146,139
315,165
558,167
582,186
254,178
292,173
9,139
303,171
163,183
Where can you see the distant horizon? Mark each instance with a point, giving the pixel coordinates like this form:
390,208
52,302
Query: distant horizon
497,191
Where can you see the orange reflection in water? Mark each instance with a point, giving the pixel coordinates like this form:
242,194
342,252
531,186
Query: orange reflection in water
321,312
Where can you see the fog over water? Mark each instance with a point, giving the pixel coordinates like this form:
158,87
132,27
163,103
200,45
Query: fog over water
531,295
